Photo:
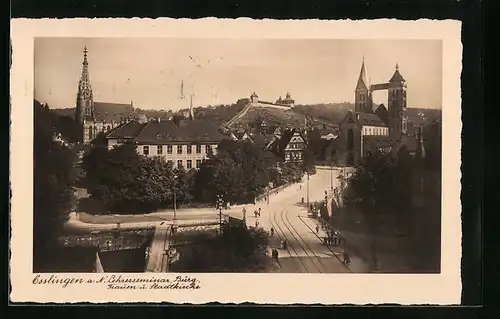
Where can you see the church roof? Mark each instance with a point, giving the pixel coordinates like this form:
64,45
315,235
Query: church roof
370,119
362,80
108,112
397,77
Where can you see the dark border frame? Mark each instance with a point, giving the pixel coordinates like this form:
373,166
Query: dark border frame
468,11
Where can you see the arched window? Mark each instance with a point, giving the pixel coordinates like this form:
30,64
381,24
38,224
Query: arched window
350,139
91,133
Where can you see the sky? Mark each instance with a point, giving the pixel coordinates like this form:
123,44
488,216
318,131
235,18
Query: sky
149,71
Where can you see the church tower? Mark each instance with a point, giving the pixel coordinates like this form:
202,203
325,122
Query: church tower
397,104
363,97
84,100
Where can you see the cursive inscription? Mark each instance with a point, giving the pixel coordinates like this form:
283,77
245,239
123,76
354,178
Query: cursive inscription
122,282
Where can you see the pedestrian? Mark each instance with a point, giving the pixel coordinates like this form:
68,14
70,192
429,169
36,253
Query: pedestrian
256,223
272,231
302,200
317,229
259,212
347,259
285,244
300,186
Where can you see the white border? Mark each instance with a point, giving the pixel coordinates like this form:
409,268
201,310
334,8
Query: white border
235,288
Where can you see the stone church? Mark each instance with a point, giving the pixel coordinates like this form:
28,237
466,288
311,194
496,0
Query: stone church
385,128
94,117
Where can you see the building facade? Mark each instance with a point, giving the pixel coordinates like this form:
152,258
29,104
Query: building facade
365,129
182,143
94,117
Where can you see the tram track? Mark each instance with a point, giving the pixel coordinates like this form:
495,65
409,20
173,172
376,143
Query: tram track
297,260
313,257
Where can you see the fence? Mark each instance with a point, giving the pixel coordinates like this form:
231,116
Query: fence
276,189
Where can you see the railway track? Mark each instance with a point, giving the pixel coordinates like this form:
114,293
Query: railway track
299,263
314,258
296,244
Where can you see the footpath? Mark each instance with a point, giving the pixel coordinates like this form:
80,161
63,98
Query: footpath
357,264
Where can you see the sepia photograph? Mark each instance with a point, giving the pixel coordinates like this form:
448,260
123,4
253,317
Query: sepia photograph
237,155
236,161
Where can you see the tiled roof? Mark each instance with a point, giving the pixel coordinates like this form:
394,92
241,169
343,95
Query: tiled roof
397,77
109,112
128,130
370,119
187,131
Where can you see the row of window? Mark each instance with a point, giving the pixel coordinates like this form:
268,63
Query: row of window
297,146
169,149
189,163
375,131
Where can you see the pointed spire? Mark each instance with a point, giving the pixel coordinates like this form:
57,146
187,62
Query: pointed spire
85,98
397,66
191,115
362,80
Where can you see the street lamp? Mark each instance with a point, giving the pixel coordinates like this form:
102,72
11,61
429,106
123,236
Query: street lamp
219,206
307,190
175,198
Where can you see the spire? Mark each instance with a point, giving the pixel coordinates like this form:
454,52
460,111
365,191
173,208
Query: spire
397,77
85,102
191,115
362,80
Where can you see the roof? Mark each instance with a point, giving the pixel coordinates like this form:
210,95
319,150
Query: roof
109,112
128,130
362,80
186,131
370,119
261,138
397,77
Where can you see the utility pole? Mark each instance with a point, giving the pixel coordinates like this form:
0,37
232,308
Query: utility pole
307,190
175,198
219,206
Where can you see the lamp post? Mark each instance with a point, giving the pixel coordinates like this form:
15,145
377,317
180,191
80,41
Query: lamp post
219,206
307,190
175,198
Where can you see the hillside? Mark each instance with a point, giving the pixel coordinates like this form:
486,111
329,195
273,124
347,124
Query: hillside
65,112
332,113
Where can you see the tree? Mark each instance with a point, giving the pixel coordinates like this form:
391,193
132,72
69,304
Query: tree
239,171
380,187
53,183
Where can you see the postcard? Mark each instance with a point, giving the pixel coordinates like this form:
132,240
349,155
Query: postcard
236,160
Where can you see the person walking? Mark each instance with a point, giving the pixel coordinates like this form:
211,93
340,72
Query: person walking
259,212
317,229
272,231
347,258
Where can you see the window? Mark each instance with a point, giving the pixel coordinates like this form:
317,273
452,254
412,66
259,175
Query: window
159,149
179,149
179,164
169,149
189,149
169,162
189,164
198,148
198,163
108,128
208,148
90,133
145,150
